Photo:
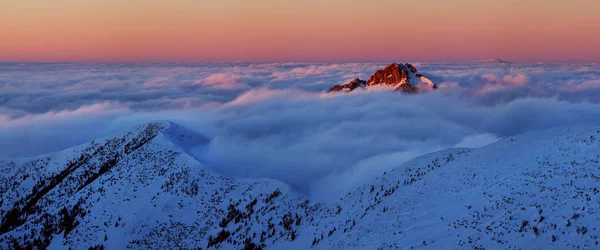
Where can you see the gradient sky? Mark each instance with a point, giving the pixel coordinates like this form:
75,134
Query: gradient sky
307,30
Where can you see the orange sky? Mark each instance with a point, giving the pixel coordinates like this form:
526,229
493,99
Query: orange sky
307,30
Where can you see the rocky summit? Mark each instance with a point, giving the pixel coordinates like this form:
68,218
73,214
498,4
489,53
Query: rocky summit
356,83
400,77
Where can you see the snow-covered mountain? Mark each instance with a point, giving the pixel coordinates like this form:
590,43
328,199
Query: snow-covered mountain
141,189
404,77
138,189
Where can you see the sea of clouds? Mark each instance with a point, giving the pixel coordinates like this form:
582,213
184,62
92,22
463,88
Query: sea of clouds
276,120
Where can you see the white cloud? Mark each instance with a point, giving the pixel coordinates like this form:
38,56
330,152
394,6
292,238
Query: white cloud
519,79
477,140
223,81
284,126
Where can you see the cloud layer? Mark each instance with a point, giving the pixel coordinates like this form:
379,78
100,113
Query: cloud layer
275,120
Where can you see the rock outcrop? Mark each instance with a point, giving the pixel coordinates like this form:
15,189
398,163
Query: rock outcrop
356,83
400,77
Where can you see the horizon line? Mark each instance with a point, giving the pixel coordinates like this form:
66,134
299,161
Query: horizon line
475,61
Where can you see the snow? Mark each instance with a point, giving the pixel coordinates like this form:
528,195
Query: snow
427,81
533,191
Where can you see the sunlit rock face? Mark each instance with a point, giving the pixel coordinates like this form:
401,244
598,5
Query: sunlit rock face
356,83
400,77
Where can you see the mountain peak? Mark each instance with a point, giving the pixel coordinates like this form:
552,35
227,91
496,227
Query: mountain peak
404,77
349,86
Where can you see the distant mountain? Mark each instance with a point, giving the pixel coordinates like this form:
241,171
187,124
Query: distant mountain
140,189
490,60
402,77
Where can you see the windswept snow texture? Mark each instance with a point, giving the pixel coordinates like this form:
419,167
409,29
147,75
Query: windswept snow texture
140,189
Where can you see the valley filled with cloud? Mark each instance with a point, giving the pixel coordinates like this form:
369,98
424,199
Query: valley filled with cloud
276,120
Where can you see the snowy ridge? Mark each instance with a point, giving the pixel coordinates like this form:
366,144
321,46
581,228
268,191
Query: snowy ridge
136,190
536,190
416,79
139,189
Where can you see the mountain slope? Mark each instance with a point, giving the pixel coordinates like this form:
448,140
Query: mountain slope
140,189
137,189
533,191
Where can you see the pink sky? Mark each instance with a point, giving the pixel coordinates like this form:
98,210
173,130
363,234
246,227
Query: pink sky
307,30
